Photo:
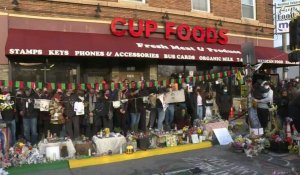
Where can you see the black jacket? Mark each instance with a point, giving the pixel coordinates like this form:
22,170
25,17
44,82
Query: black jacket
27,106
225,103
68,104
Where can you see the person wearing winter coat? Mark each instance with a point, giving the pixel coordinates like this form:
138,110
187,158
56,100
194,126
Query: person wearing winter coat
56,115
72,120
263,105
283,106
135,106
30,116
121,111
225,103
107,112
44,116
8,114
294,111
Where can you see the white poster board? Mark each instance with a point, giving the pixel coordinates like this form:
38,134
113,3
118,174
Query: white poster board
257,131
195,138
223,136
37,103
175,97
44,105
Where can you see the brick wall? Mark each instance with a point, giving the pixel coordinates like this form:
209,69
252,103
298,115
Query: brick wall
223,10
4,72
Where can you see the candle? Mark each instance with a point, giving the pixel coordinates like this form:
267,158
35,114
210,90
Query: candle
90,152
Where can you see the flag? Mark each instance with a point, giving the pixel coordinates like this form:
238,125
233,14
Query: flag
1,83
58,85
63,86
180,81
40,85
139,84
5,83
106,86
164,83
187,80
88,85
97,86
17,84
151,84
172,81
229,73
22,84
225,74
112,86
213,76
100,86
156,83
147,84
116,86
121,86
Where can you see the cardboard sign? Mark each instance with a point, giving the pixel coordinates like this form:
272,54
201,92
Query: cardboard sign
44,105
116,104
195,138
37,103
171,140
257,131
175,97
223,136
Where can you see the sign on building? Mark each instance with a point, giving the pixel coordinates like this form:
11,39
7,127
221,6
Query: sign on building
285,11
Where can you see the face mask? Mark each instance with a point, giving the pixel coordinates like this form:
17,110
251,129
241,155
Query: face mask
267,87
225,90
8,98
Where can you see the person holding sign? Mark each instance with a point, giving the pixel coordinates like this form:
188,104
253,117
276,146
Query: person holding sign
30,116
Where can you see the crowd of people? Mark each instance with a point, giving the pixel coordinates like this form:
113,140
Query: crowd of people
77,112
285,96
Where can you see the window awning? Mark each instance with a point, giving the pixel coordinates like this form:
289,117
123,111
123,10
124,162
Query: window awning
272,56
52,43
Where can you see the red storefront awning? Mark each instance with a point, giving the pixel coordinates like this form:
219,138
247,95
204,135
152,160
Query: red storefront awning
52,43
270,55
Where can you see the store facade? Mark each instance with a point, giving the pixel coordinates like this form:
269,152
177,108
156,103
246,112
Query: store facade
52,50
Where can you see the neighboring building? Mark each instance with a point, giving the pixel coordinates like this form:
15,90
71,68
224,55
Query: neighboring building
290,72
72,41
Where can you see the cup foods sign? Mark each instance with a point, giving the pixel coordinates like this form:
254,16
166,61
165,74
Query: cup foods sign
183,32
285,11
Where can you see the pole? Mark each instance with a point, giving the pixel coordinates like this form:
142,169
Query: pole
284,48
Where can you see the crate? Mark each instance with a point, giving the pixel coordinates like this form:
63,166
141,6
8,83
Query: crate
279,147
143,143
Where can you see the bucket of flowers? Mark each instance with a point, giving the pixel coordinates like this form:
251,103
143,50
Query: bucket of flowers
279,144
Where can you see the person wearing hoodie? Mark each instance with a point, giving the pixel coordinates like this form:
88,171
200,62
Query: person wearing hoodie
30,116
8,114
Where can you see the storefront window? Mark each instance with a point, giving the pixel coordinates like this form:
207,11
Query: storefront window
41,72
61,72
27,71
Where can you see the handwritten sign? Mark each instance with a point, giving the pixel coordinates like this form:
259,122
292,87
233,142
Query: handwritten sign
223,136
175,97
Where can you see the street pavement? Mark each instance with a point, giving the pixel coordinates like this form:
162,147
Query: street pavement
218,160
